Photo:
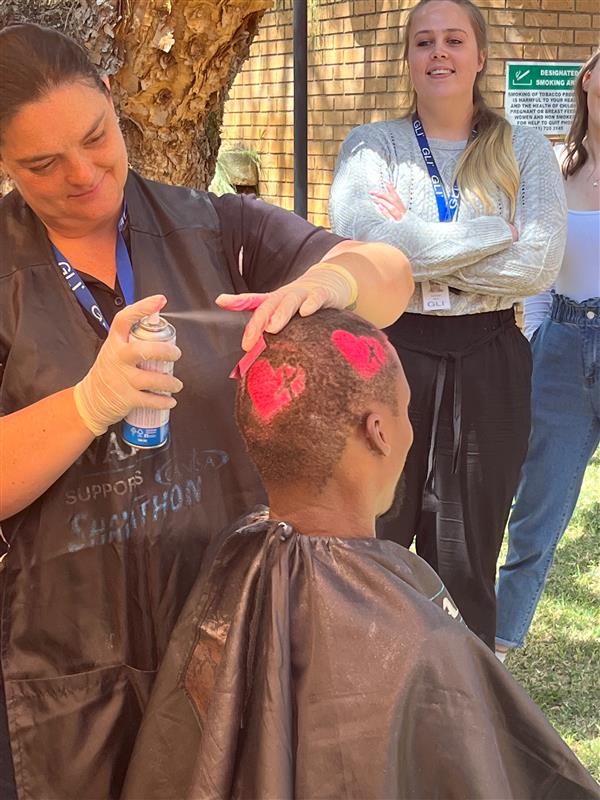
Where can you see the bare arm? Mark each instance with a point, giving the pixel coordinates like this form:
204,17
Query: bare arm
38,444
379,276
383,275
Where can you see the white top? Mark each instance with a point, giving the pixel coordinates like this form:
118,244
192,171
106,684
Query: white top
579,276
535,310
475,253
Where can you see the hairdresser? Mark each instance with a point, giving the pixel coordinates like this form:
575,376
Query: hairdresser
479,208
103,541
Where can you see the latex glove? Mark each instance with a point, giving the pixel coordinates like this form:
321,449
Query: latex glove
115,384
322,286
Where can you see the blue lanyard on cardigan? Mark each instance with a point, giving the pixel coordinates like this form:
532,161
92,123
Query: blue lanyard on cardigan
124,276
447,206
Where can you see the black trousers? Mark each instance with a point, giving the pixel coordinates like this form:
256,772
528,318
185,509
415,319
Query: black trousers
470,380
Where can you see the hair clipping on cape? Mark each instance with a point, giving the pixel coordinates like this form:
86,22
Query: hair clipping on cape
244,364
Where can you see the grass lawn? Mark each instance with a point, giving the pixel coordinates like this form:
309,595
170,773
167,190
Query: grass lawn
560,664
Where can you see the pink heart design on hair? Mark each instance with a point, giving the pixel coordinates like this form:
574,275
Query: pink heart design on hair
365,354
272,390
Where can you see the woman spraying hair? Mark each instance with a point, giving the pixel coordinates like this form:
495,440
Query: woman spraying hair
105,539
565,399
479,209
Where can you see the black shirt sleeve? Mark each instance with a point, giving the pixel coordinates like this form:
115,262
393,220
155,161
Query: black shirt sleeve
276,245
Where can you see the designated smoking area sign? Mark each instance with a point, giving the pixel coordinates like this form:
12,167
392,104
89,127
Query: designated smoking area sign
540,94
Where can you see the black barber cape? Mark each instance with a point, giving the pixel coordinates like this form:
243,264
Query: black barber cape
101,564
328,668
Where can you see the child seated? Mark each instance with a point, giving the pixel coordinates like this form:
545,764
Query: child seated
313,660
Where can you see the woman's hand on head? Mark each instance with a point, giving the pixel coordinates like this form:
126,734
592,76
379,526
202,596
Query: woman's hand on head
115,383
389,202
321,286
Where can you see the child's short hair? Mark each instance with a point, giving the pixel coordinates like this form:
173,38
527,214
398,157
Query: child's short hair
308,390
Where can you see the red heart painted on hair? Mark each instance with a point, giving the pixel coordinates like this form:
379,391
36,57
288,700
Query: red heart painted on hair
364,353
272,390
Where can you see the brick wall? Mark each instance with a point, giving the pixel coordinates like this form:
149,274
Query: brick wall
354,73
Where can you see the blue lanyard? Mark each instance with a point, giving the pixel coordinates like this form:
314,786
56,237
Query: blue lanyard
447,206
124,276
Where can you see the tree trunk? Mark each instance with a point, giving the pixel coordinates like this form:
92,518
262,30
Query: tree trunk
171,63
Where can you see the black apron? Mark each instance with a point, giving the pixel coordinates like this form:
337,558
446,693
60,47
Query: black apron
101,564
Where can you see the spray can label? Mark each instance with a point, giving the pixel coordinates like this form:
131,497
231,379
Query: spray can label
149,427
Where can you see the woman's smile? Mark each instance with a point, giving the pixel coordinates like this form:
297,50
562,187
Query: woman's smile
90,194
72,175
440,72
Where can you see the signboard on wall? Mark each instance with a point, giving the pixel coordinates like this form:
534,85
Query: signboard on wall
540,94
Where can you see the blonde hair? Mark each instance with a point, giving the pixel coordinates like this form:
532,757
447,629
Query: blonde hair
576,153
488,162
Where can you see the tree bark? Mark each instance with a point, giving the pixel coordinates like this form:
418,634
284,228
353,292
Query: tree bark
171,63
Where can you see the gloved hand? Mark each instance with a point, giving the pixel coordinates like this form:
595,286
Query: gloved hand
323,286
115,384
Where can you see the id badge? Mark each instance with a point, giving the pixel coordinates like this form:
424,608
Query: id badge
436,296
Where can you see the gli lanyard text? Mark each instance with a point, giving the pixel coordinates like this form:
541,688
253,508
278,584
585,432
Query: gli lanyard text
124,276
447,205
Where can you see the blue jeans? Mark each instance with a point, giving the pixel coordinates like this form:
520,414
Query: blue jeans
565,431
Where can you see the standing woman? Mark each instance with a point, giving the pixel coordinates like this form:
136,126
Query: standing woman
565,399
479,209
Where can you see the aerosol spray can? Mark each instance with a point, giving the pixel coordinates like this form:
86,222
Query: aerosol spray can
149,427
